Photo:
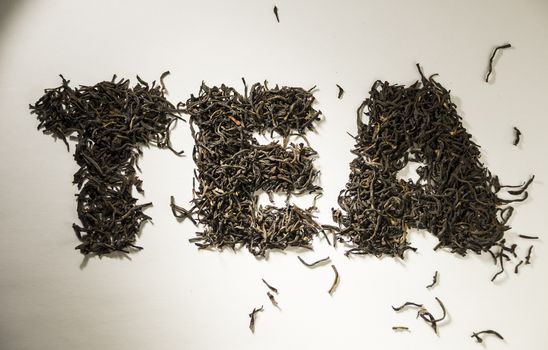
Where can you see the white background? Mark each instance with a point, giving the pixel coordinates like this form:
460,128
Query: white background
172,296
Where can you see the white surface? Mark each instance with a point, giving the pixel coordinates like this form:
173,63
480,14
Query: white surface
171,296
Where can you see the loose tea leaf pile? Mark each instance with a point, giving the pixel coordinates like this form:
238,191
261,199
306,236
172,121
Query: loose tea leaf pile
233,168
111,122
455,198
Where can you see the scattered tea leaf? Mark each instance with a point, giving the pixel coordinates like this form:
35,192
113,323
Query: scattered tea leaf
405,305
517,266
528,237
490,70
528,256
335,281
315,263
270,287
517,134
400,328
252,318
434,280
500,256
489,331
341,91
272,299
276,14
